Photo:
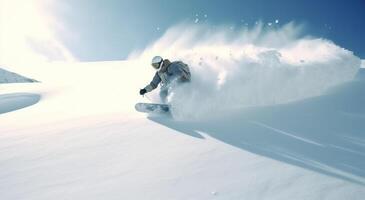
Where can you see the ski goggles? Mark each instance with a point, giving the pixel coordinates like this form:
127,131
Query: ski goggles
157,65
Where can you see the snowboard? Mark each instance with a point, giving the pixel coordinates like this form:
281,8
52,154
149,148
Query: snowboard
152,108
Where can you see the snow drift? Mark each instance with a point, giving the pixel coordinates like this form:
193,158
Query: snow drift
11,77
249,67
15,101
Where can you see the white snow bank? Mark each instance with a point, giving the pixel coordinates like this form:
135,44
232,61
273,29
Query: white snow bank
75,90
15,101
250,67
362,63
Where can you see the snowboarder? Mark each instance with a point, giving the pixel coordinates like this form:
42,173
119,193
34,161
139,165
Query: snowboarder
168,73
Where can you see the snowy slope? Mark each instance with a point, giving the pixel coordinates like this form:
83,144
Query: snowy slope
11,77
83,140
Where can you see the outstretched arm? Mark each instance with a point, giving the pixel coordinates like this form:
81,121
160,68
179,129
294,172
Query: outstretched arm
154,83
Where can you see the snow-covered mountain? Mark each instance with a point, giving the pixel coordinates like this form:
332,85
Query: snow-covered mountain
82,139
11,77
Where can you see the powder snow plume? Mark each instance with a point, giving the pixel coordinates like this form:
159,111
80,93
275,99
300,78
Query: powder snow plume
249,67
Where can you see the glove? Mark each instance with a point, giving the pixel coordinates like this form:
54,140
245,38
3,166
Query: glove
142,91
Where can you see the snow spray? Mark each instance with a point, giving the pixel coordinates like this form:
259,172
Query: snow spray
255,66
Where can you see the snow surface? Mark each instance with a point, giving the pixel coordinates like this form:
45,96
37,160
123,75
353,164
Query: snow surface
83,140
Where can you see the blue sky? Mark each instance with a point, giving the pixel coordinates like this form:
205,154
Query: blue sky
111,29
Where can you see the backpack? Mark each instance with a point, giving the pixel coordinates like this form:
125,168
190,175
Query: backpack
186,75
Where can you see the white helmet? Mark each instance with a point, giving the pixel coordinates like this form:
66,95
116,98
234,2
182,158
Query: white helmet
157,62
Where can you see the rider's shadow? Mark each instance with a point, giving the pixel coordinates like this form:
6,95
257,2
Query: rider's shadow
182,127
322,134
